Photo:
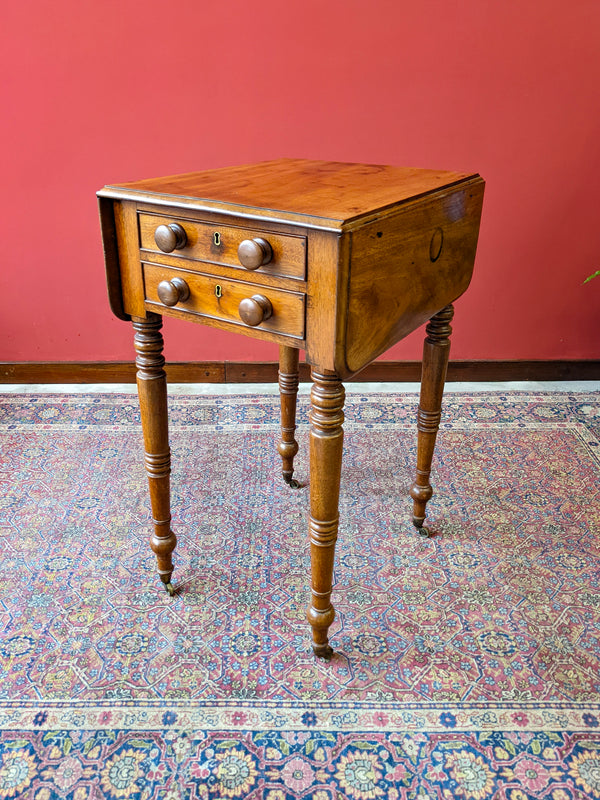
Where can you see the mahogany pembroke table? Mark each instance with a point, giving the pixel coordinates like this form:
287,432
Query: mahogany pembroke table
339,260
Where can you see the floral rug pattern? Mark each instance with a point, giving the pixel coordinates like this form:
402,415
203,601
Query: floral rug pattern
466,665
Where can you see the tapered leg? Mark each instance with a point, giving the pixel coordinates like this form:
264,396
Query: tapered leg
436,350
326,440
288,392
152,390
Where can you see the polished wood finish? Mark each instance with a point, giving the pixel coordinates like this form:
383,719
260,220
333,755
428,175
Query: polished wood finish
318,194
218,301
282,254
152,390
288,391
131,277
27,372
170,237
428,264
435,362
345,260
108,225
254,253
172,292
326,443
255,310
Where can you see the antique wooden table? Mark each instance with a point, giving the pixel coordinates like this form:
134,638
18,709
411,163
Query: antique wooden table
339,260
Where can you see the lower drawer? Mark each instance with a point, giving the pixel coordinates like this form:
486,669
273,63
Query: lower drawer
208,296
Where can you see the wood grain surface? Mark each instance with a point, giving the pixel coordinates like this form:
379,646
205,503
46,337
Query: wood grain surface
324,189
206,300
289,252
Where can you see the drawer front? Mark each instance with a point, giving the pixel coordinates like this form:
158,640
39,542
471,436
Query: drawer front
218,244
220,299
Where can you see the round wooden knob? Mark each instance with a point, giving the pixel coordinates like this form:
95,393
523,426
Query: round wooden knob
172,292
254,310
170,237
254,253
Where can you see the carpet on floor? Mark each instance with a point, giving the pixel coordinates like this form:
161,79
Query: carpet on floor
466,665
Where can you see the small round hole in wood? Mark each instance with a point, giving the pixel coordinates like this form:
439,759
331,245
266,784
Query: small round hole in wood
436,244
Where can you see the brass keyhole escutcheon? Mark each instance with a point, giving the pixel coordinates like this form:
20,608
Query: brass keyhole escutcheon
217,241
218,290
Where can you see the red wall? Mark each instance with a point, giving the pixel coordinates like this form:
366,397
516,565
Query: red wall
99,92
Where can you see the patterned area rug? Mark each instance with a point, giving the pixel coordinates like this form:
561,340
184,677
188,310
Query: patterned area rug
466,665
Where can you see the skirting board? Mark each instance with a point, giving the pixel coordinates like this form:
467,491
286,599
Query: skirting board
266,372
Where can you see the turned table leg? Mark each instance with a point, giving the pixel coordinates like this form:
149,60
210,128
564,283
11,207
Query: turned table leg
288,392
152,390
326,440
436,350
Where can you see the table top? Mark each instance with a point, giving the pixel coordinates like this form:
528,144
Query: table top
353,257
330,191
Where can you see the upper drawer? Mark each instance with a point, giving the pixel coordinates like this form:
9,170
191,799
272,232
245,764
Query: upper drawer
218,244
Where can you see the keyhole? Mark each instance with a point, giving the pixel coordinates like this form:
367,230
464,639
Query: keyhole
218,290
217,241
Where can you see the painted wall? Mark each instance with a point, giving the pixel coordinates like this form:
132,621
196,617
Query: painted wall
99,92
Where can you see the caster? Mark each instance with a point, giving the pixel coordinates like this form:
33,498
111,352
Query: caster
323,651
422,530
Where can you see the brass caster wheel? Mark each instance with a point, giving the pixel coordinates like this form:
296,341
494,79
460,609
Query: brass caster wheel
293,484
170,589
422,530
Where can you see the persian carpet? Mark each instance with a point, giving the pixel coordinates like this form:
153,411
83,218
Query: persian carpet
466,665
